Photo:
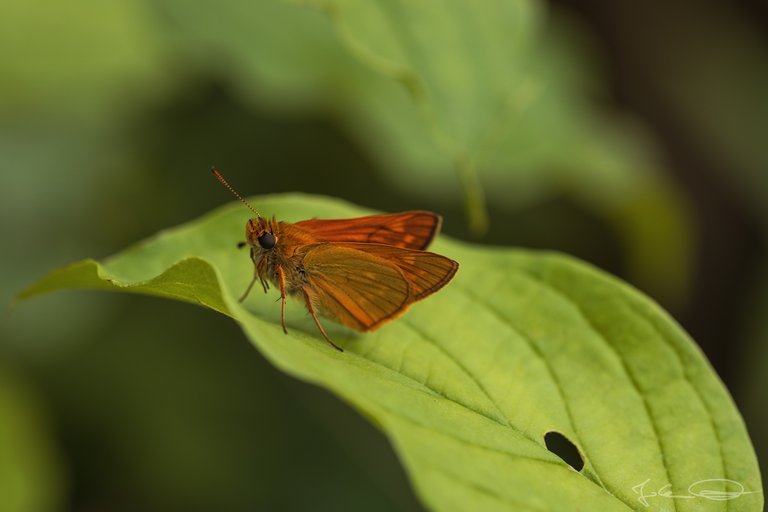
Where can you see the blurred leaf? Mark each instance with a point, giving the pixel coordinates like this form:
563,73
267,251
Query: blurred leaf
496,84
455,100
31,479
468,383
507,100
85,55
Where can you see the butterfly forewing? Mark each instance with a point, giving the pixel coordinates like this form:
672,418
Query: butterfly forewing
410,230
355,288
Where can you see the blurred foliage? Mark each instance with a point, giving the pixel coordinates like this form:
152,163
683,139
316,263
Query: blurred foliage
453,99
467,387
508,108
195,424
76,59
31,477
110,114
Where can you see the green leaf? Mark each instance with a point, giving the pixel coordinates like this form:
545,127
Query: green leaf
468,382
31,475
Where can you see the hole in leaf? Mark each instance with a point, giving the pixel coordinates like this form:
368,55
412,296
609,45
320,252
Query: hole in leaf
558,444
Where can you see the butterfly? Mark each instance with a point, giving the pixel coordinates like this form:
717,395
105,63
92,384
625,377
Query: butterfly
361,272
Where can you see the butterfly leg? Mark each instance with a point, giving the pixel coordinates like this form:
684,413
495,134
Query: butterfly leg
261,270
248,290
281,277
311,309
255,275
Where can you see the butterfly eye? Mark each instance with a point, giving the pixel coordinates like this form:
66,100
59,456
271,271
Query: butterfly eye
267,240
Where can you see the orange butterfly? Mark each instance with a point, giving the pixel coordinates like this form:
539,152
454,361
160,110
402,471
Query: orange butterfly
361,272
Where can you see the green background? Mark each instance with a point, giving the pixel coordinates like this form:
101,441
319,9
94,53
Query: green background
110,115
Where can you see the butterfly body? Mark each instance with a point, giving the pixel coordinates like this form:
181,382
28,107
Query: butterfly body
278,252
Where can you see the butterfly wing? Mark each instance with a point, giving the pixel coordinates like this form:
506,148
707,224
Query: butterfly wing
426,272
411,230
363,285
355,288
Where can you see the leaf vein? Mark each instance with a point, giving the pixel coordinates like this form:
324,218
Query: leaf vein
550,371
630,376
463,368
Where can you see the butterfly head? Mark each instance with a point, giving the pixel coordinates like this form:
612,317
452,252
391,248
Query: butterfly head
261,232
258,231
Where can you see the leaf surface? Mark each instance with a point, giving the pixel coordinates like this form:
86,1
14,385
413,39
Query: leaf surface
468,382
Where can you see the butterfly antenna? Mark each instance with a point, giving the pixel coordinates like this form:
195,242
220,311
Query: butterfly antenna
224,182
